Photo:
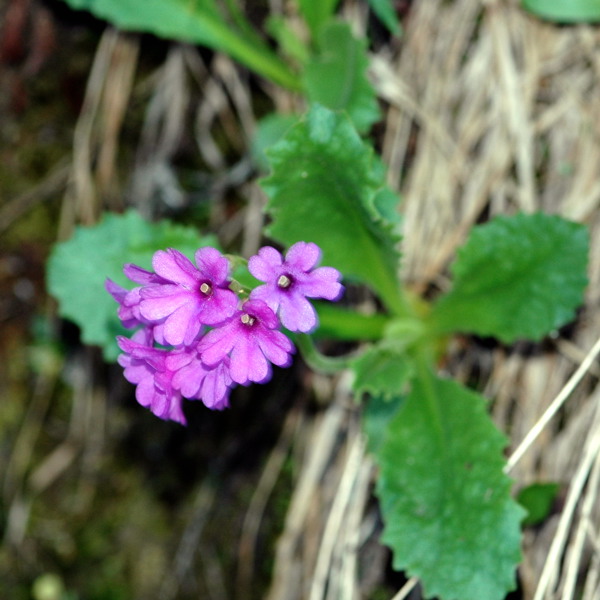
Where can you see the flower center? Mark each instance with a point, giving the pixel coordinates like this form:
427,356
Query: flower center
247,319
206,288
284,281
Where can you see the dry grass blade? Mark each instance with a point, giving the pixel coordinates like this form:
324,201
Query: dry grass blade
406,589
552,569
554,407
332,531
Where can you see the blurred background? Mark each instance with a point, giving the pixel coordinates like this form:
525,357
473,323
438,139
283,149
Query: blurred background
487,110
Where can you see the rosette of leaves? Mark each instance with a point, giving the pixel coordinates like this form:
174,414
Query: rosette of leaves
449,514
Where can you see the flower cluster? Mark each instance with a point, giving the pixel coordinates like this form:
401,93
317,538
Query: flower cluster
197,339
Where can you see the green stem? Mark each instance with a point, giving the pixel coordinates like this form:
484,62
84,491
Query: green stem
343,324
316,360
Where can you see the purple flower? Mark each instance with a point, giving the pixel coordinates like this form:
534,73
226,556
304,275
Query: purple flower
129,316
251,339
197,381
187,297
147,368
129,300
289,282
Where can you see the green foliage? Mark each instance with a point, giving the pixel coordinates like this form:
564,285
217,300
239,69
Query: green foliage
384,9
516,277
383,371
206,22
565,11
290,42
336,76
78,268
317,12
322,189
446,503
377,414
537,499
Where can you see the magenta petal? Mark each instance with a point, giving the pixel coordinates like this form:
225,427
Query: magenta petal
177,360
266,264
157,308
176,412
212,264
323,283
297,314
174,266
181,325
266,294
189,378
303,256
115,290
144,392
216,344
261,311
134,371
248,363
139,275
216,387
276,347
219,307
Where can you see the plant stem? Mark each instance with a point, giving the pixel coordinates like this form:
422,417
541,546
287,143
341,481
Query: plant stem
343,324
318,361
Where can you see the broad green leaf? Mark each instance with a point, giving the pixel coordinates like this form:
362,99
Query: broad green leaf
382,370
516,277
449,517
322,189
376,416
78,268
384,9
565,11
317,12
336,76
199,22
537,499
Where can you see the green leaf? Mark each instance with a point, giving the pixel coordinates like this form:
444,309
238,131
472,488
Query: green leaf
199,22
516,277
336,76
77,269
376,417
565,11
384,9
322,189
290,43
317,12
449,517
537,499
382,370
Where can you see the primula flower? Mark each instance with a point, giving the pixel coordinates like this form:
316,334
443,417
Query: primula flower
174,305
197,381
147,368
129,300
188,297
251,339
291,281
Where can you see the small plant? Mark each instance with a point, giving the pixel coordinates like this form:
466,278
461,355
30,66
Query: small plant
449,515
